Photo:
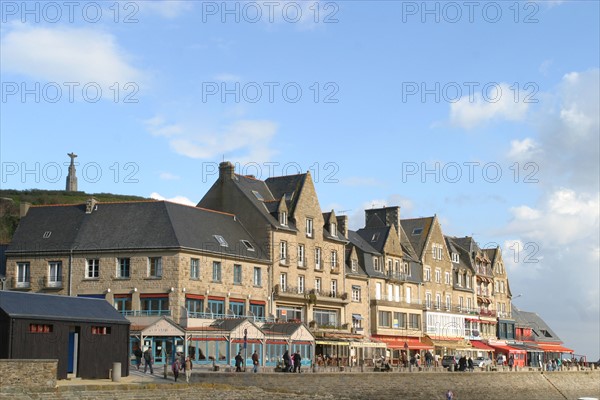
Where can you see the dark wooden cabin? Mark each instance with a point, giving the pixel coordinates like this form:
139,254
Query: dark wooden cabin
85,335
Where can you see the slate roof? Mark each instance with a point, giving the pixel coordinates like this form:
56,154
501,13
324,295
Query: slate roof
131,225
464,257
228,324
59,308
3,248
408,252
281,328
536,323
288,186
417,241
366,252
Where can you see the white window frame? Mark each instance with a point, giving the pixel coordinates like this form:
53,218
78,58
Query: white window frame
333,229
317,258
390,292
438,301
376,264
283,219
283,282
283,252
447,278
301,284
356,293
257,276
334,287
438,275
354,264
427,277
217,271
378,291
428,300
397,293
55,273
92,271
240,269
334,261
407,294
318,285
194,268
158,269
300,255
23,274
309,227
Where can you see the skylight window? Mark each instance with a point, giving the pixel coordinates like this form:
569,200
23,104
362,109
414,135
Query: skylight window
375,237
258,195
417,231
248,245
221,240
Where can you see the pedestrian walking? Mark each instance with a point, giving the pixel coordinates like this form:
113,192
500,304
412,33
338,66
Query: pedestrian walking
297,360
287,362
148,360
449,395
255,361
176,367
188,368
138,357
238,362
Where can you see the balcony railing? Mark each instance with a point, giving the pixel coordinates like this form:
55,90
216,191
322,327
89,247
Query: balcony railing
145,313
397,276
294,290
206,315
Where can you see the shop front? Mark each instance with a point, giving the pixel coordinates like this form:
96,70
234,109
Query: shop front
163,337
402,348
363,353
290,336
504,353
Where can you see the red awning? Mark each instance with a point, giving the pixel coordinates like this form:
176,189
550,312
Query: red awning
480,345
507,349
554,348
248,341
400,342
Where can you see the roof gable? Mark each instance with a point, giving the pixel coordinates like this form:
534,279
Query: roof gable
417,232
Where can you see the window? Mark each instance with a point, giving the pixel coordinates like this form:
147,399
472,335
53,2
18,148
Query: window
334,263
257,276
376,264
357,321
283,282
283,220
317,258
155,305
399,320
459,283
216,307
237,274
354,263
389,268
258,310
289,313
414,321
92,268
123,268
216,273
438,276
222,242
375,237
40,328
378,291
469,303
384,319
155,267
406,269
283,252
325,317
258,195
427,275
390,292
122,303
333,288
301,284
438,301
417,231
237,308
318,285
407,294
248,245
447,278
455,257
397,267
333,229
356,293
55,274
309,227
195,306
448,303
428,300
100,330
460,303
397,293
194,268
300,255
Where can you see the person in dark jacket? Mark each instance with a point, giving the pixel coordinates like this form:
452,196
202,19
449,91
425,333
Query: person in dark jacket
238,362
297,359
287,362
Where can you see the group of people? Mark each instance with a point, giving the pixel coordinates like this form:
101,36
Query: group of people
180,363
465,364
239,361
292,363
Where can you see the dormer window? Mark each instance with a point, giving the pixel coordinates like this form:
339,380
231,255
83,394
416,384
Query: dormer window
455,257
283,219
248,245
221,240
354,265
333,229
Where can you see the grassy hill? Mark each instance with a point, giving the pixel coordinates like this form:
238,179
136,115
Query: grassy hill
10,201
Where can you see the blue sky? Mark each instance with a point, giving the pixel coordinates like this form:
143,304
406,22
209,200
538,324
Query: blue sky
499,102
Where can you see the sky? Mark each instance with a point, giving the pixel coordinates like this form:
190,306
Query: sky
483,113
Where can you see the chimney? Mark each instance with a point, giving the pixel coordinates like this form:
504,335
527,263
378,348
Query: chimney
342,223
226,170
90,205
389,215
24,208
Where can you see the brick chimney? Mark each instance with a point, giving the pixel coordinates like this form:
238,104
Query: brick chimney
389,215
342,223
226,170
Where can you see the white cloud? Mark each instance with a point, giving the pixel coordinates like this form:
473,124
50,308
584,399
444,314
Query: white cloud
167,176
67,55
242,141
522,150
177,199
168,8
498,104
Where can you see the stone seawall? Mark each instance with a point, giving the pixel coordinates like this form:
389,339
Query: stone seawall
28,374
329,386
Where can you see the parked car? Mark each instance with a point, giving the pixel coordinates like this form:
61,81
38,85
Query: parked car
450,360
482,362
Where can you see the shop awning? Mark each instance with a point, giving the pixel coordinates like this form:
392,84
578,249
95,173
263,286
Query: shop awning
357,317
332,343
481,346
367,344
554,348
507,349
400,342
527,347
